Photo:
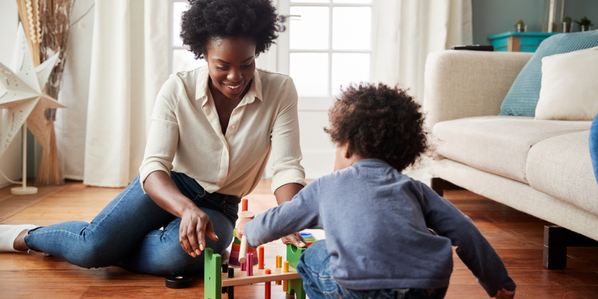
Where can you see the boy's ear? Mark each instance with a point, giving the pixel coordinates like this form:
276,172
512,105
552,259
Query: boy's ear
348,153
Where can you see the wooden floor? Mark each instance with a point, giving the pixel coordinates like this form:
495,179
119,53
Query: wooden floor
517,237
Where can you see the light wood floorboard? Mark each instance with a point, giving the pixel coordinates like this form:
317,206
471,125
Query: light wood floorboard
516,236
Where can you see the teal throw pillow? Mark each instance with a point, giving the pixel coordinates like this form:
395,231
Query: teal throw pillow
523,96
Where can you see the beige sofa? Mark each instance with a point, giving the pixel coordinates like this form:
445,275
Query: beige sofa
539,167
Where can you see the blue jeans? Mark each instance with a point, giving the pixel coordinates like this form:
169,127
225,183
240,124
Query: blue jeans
128,232
594,146
314,269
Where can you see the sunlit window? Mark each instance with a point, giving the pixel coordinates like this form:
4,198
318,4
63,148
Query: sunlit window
330,45
180,59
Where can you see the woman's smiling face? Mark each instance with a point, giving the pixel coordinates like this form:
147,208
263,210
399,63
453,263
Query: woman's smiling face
231,64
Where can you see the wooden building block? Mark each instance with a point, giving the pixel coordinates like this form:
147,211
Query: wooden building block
214,279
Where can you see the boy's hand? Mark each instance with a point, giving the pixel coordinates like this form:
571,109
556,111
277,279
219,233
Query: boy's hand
504,294
240,226
295,239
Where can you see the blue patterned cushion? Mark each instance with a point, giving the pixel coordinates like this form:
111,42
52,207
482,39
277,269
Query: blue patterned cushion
525,91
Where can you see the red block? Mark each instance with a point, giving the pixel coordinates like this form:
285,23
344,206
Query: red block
268,285
249,264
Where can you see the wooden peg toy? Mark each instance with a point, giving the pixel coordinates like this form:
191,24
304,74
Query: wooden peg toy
215,280
243,249
249,263
278,265
268,285
285,269
244,204
260,251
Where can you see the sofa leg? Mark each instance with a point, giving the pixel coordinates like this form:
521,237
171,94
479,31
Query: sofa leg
439,185
556,241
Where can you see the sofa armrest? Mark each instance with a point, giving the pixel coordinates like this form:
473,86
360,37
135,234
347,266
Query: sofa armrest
462,84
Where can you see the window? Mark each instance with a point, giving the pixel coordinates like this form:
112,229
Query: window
179,59
328,46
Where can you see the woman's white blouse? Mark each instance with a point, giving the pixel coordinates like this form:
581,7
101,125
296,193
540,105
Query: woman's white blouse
185,135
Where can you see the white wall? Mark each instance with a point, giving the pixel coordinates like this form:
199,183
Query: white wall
10,161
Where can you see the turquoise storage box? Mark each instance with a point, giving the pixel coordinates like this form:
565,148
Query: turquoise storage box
519,41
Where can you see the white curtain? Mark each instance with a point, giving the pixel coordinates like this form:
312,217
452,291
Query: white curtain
102,137
407,30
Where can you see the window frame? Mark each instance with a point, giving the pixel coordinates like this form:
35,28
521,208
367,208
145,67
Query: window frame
171,37
323,103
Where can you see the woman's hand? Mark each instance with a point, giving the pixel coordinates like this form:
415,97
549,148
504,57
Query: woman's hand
195,225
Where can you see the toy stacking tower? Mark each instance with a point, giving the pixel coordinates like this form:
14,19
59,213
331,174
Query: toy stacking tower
234,253
308,237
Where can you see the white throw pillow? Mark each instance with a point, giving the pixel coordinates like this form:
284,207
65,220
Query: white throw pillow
569,88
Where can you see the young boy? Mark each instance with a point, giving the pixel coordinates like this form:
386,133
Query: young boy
377,221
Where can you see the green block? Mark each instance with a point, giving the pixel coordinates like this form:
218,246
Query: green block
293,254
295,285
212,276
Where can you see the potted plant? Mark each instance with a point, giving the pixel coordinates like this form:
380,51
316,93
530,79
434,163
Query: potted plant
584,24
567,22
520,26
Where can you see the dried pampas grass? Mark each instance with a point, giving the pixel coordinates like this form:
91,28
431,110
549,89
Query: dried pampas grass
47,24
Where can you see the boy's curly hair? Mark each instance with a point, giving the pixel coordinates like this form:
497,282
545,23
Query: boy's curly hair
207,19
379,122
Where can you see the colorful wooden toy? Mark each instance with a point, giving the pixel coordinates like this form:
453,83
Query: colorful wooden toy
308,237
214,279
268,285
260,257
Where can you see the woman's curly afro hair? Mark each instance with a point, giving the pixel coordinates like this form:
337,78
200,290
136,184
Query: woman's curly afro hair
207,19
379,122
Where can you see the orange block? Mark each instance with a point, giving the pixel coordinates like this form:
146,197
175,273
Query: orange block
244,204
285,269
261,257
237,247
278,261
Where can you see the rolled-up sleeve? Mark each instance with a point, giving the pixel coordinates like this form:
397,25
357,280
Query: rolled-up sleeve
163,135
286,150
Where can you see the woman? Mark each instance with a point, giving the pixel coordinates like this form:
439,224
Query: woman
212,131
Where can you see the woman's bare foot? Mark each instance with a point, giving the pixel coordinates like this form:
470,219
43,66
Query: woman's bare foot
19,243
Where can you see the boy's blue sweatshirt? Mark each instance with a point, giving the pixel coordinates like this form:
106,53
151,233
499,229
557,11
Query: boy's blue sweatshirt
376,223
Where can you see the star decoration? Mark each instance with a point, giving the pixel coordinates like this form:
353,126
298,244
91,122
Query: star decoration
21,96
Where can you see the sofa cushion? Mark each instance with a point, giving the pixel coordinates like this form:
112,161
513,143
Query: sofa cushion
524,93
569,90
498,144
560,167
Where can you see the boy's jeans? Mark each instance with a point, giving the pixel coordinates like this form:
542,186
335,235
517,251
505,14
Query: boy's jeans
313,267
127,232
